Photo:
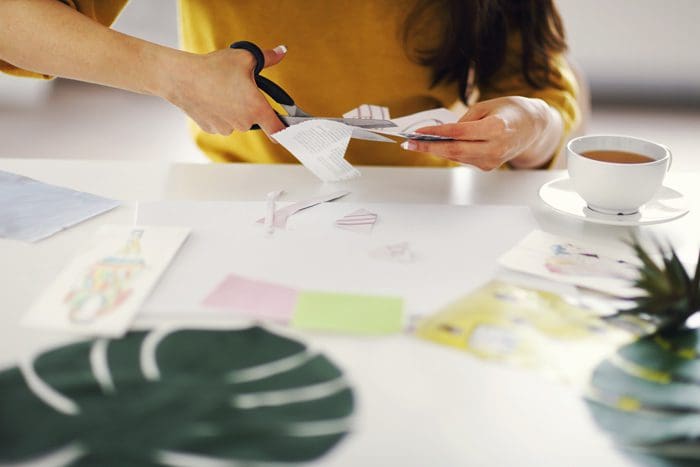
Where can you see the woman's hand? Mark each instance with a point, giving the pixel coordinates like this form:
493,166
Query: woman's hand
519,130
216,90
219,93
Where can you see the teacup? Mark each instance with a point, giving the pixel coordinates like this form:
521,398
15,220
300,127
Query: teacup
617,188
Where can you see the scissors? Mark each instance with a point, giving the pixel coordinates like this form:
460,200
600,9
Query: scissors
294,113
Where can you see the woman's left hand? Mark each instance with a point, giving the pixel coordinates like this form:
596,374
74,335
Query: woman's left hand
519,130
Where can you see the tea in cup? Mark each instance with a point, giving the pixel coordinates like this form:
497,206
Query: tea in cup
616,174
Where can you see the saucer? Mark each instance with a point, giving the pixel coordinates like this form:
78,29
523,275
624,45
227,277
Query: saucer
666,205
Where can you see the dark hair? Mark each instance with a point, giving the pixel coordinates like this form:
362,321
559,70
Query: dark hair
477,31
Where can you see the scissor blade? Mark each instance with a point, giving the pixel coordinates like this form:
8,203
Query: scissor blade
358,122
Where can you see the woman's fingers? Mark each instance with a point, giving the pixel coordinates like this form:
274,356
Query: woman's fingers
477,130
274,56
267,118
481,154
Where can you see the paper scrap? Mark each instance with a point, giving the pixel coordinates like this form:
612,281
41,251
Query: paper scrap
342,312
519,326
255,298
281,215
102,288
607,267
377,112
31,210
320,146
399,252
360,220
272,197
369,111
407,125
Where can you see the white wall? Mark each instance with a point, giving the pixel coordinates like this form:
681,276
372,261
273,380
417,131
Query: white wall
155,21
636,46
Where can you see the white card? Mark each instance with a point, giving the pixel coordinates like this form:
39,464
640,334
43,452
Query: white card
320,145
608,267
102,288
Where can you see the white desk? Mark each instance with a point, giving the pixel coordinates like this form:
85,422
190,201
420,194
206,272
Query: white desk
418,404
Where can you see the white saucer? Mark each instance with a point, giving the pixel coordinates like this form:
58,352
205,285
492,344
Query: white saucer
667,204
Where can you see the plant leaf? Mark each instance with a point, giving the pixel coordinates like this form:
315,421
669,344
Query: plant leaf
248,396
647,393
695,287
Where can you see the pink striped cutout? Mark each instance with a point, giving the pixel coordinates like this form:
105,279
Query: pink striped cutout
359,221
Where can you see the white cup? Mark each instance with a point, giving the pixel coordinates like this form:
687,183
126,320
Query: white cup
616,188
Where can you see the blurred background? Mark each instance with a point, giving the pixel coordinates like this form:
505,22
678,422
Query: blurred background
640,58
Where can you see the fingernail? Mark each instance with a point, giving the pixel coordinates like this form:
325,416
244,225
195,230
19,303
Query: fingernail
280,49
409,145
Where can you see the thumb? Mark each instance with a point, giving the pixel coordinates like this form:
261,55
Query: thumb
274,56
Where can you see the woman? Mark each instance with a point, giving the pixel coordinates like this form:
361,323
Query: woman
504,57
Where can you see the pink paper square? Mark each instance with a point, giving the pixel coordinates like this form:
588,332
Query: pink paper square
255,298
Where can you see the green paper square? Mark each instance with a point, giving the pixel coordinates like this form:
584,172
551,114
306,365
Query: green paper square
358,314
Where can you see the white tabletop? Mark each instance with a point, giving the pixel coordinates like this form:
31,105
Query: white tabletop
418,403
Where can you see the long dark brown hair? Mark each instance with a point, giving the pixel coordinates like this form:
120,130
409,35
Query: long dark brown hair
475,32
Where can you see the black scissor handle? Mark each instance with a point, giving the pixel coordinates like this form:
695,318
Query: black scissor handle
267,86
255,51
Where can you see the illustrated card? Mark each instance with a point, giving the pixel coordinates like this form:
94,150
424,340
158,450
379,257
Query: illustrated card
609,268
102,288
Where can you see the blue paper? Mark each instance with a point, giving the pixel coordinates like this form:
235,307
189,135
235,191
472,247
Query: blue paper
31,210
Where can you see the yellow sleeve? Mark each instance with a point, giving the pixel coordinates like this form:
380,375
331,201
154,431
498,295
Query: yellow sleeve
562,95
102,11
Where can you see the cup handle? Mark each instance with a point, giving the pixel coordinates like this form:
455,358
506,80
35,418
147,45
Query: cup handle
670,157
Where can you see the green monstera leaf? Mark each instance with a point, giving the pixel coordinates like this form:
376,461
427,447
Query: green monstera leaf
175,397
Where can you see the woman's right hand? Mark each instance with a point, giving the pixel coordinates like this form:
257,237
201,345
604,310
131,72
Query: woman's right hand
218,91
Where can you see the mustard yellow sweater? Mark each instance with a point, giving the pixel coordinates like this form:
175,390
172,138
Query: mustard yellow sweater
341,54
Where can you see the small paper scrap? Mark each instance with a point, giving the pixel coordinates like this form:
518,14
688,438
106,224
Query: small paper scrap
377,112
398,252
102,288
320,146
31,210
341,312
361,220
255,298
281,215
